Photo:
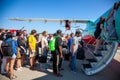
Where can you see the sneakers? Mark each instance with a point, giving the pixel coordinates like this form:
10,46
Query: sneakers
21,67
74,72
3,72
18,69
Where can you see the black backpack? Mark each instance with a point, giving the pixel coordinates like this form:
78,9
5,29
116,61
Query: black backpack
40,44
7,48
80,54
42,59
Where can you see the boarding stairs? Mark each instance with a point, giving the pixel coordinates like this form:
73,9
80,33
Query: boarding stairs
98,62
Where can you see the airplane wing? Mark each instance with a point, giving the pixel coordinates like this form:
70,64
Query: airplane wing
48,20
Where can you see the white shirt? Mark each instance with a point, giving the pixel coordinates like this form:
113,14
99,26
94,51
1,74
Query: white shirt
76,43
44,42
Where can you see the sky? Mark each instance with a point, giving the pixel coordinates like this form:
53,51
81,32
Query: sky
50,9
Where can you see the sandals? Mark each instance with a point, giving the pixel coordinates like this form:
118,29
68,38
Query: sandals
13,77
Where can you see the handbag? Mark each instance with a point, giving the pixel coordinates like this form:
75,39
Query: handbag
18,53
42,59
80,54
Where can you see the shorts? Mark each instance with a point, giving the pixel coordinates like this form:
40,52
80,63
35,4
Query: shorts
97,35
32,54
13,56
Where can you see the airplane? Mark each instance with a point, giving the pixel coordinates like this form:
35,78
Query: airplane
95,63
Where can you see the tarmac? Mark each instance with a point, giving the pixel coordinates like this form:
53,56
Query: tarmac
111,72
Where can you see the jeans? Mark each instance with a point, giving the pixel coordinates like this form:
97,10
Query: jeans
3,64
73,63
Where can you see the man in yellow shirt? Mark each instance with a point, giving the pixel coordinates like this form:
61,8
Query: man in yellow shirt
32,47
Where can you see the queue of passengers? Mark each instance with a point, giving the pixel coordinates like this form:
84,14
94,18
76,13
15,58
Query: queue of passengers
20,44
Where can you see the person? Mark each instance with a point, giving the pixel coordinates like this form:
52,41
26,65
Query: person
81,51
64,50
57,55
11,59
21,44
24,33
44,43
67,37
52,45
74,48
2,31
32,48
111,20
37,47
69,46
44,48
25,56
99,28
2,59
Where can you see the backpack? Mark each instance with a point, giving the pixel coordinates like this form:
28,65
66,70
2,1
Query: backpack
80,54
40,44
7,48
64,45
52,44
42,59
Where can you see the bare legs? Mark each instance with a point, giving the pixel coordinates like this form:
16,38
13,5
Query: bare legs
9,67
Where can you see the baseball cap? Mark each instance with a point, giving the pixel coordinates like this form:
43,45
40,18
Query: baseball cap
59,31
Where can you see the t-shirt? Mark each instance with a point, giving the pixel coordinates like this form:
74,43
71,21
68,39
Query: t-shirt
44,42
58,42
32,41
70,41
21,42
98,29
75,42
